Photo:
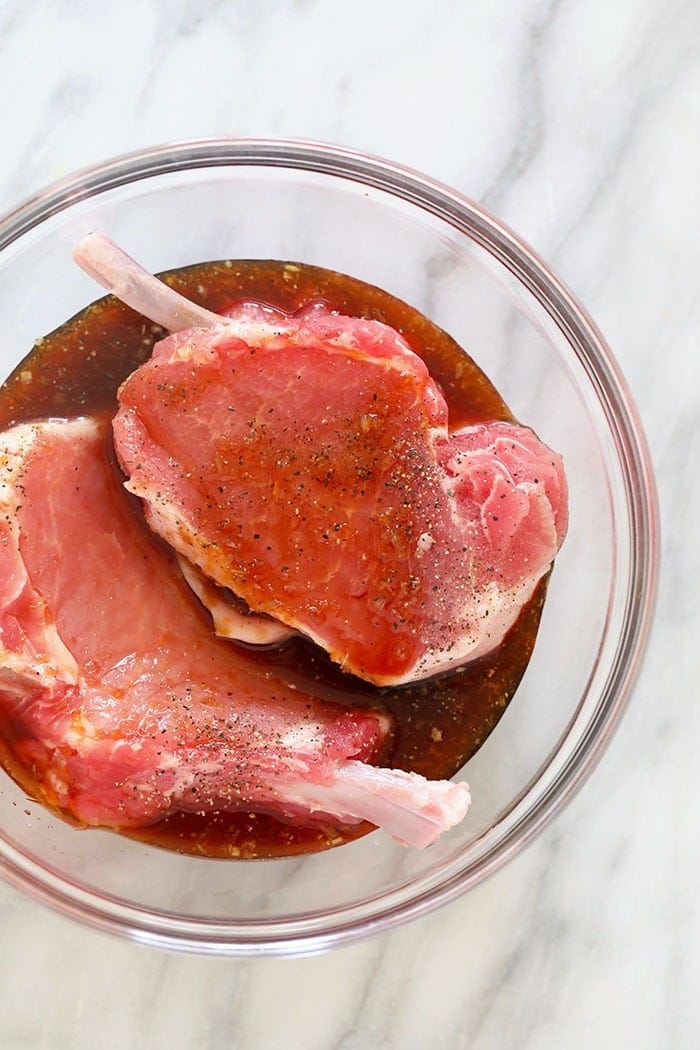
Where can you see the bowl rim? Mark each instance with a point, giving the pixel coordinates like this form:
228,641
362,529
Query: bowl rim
300,936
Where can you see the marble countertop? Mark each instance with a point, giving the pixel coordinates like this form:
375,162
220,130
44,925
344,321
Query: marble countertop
579,124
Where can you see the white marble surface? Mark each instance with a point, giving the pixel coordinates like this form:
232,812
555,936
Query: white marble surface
579,123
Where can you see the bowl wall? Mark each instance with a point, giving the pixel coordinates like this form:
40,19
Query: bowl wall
446,257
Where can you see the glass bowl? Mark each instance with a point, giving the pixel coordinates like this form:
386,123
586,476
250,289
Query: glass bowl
446,256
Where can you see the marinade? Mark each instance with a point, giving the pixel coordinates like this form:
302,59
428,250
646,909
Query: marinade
439,723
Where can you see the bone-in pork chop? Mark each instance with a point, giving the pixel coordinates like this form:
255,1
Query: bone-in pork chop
305,463
127,706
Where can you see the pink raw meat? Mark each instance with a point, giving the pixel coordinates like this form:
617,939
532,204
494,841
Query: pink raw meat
127,707
305,463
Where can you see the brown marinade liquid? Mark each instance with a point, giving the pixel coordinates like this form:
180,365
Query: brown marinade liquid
440,723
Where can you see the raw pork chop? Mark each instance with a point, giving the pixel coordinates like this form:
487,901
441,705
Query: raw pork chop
305,463
126,705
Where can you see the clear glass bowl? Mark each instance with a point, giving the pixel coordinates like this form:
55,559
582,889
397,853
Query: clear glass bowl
446,256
